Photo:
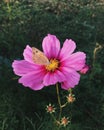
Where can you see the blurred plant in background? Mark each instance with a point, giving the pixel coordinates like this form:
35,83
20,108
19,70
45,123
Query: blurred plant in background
25,22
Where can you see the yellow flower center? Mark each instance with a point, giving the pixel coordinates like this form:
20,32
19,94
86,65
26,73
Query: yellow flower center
54,64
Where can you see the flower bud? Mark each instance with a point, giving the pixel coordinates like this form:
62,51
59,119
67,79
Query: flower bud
70,98
85,69
50,108
64,121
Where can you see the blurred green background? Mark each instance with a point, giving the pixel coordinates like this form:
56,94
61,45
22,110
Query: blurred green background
25,22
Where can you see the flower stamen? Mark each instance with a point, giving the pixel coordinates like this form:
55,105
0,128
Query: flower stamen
54,64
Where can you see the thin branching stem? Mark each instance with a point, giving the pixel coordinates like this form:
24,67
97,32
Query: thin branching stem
59,101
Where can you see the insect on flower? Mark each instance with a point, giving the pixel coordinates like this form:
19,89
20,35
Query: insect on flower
39,57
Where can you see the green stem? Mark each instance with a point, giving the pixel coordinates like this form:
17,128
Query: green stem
70,91
59,101
96,49
53,117
64,105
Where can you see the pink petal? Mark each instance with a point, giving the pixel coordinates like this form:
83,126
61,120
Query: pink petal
28,54
72,80
23,67
51,46
66,70
33,80
68,47
52,78
75,61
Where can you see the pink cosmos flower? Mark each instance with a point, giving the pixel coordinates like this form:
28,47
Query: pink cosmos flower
85,69
63,66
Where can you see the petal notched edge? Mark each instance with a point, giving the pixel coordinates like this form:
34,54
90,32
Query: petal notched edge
32,80
73,80
67,49
76,61
22,67
51,46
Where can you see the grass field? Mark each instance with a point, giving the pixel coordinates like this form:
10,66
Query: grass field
25,22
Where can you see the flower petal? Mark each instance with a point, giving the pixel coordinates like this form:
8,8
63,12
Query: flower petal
52,78
23,67
28,54
33,80
75,61
51,46
68,47
72,80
